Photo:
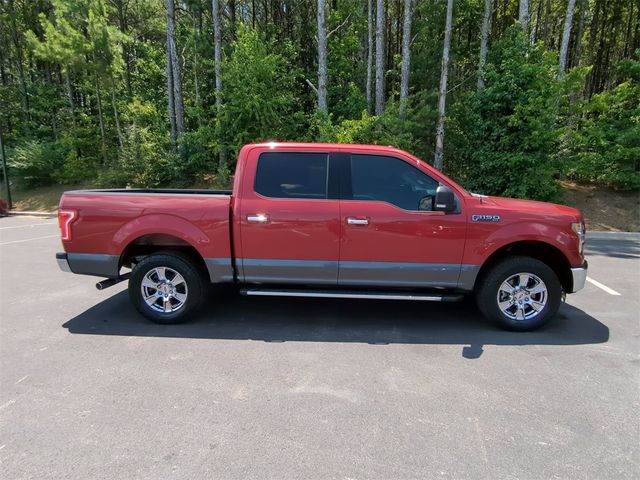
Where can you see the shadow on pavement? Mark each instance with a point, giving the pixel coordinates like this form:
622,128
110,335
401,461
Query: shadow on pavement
612,248
330,320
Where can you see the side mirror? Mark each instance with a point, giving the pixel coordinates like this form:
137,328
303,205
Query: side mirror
445,200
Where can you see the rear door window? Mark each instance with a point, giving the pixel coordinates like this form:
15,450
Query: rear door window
292,175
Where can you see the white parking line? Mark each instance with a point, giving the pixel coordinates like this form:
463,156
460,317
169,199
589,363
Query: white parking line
29,239
610,291
30,225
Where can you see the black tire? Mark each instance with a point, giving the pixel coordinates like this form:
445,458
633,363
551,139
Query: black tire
488,286
194,289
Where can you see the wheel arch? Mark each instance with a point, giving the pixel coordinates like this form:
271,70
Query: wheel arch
152,243
543,251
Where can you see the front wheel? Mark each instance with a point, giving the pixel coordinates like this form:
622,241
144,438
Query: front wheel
166,287
519,293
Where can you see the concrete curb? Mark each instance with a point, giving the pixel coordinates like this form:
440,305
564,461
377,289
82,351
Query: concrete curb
634,236
14,213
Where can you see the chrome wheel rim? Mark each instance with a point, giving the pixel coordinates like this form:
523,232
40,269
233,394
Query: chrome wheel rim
522,296
164,290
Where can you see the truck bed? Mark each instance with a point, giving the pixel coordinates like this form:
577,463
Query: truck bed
158,191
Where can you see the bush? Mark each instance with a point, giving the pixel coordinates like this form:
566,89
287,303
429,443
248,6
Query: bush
503,135
143,162
261,95
603,144
384,129
34,162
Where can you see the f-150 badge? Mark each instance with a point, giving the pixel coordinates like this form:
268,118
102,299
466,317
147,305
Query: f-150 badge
485,218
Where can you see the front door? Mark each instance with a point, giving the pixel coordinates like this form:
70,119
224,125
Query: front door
289,227
391,235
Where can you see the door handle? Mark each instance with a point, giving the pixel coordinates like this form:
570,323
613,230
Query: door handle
357,221
258,218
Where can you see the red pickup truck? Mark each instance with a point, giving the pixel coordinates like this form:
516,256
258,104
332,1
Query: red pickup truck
325,220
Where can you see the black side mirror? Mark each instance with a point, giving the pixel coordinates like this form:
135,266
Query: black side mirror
445,200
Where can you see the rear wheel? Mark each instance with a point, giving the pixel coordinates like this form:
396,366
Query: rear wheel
166,287
519,293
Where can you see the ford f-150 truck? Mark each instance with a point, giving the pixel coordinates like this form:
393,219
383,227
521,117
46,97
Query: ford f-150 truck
325,220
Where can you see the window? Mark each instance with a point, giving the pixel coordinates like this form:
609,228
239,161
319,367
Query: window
292,175
391,180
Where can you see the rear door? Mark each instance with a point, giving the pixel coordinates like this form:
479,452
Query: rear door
392,237
289,225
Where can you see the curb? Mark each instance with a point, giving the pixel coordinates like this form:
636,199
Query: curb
613,236
13,213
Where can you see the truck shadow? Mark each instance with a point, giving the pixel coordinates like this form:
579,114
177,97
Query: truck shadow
329,320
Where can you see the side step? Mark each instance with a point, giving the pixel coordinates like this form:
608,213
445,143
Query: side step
431,297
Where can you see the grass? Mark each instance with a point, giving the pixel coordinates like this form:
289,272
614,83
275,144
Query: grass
40,199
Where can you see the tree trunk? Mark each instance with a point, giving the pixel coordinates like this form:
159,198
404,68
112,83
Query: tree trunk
232,18
217,66
322,58
175,68
116,116
576,49
69,93
370,26
379,57
484,42
101,120
566,34
196,82
406,58
123,26
217,53
173,135
16,36
523,14
442,94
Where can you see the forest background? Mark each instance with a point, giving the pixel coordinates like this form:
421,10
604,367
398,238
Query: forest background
507,97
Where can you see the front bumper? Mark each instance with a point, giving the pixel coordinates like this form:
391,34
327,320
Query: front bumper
579,276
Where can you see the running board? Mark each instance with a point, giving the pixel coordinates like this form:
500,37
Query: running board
349,294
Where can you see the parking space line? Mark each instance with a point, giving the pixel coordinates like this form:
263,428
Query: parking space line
610,291
29,239
30,225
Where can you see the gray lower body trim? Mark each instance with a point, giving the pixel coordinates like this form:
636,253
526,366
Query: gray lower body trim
468,275
400,274
364,274
95,264
316,272
220,269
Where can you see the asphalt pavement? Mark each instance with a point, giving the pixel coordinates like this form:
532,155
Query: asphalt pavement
275,388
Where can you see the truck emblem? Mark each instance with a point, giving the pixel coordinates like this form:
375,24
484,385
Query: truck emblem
485,218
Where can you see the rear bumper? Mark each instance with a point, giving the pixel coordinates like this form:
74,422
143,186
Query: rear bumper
579,277
95,264
63,263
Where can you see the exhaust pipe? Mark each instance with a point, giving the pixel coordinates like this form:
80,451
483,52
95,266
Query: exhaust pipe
110,282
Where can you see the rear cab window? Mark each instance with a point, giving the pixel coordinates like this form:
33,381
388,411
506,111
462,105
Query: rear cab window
301,175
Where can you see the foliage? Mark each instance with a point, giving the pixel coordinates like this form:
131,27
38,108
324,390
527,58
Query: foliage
505,132
143,162
35,162
261,103
83,90
604,146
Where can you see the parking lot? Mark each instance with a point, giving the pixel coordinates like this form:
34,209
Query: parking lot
293,388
